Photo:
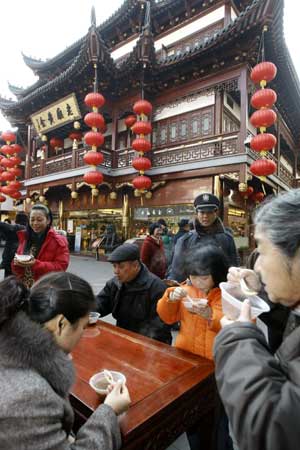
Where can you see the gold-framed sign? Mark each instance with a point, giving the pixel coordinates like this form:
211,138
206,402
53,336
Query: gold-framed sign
57,114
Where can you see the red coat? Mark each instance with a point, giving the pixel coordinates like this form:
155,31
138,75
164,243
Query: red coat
53,256
153,256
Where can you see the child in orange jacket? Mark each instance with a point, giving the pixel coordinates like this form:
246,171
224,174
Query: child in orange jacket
199,322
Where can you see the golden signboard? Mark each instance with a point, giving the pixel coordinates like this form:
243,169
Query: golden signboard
57,114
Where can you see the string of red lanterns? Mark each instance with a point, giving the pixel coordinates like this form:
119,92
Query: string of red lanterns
9,167
141,127
95,139
263,100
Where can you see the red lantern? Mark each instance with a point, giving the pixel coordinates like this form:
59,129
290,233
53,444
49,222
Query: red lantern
94,120
263,73
141,145
15,185
93,158
7,176
129,121
141,163
142,182
17,148
16,195
7,190
94,100
94,138
7,162
16,172
142,128
8,136
75,135
263,118
264,98
142,107
263,142
2,198
56,143
15,160
7,150
258,197
93,177
246,194
263,167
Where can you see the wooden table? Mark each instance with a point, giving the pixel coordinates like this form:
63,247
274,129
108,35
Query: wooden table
170,389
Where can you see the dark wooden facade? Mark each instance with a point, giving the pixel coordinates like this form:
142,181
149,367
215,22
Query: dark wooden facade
202,73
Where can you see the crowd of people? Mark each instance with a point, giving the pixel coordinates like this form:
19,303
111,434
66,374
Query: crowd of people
44,310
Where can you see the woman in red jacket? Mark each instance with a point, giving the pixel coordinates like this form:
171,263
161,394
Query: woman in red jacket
152,251
47,250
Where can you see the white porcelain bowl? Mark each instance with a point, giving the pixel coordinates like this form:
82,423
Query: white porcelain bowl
93,317
99,383
232,300
23,258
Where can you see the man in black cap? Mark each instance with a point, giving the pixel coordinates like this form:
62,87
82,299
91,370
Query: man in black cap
209,229
132,294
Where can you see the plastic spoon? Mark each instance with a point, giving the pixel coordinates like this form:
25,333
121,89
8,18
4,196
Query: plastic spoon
246,290
107,374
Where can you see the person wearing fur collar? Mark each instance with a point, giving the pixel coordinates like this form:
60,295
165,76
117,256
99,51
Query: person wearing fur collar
38,329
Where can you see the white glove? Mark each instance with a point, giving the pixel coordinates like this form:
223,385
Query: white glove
177,294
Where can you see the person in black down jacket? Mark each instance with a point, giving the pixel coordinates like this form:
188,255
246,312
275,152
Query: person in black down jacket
9,233
209,229
132,294
261,391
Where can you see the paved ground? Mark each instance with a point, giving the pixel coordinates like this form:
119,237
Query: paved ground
97,273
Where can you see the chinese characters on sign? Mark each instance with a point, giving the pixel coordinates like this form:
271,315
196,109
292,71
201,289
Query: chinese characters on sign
57,114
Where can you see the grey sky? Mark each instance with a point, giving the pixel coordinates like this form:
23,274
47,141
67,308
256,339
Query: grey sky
44,29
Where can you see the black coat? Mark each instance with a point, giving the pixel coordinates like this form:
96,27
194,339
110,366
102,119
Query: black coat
217,235
9,233
133,305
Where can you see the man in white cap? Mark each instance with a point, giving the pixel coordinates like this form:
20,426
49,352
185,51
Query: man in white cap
209,229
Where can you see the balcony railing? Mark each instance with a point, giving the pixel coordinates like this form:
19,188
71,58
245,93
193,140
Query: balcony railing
219,146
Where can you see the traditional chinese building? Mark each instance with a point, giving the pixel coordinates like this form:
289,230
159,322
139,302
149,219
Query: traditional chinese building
192,60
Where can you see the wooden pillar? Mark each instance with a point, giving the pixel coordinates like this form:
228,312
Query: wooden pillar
243,87
227,17
219,96
114,137
28,154
295,165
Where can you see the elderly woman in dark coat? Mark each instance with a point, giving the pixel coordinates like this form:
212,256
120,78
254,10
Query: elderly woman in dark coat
37,331
261,391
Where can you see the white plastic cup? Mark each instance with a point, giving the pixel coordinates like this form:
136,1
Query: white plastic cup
100,384
232,300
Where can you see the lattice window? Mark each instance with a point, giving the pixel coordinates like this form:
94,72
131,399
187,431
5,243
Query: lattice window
163,135
206,124
122,140
183,129
173,131
230,124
